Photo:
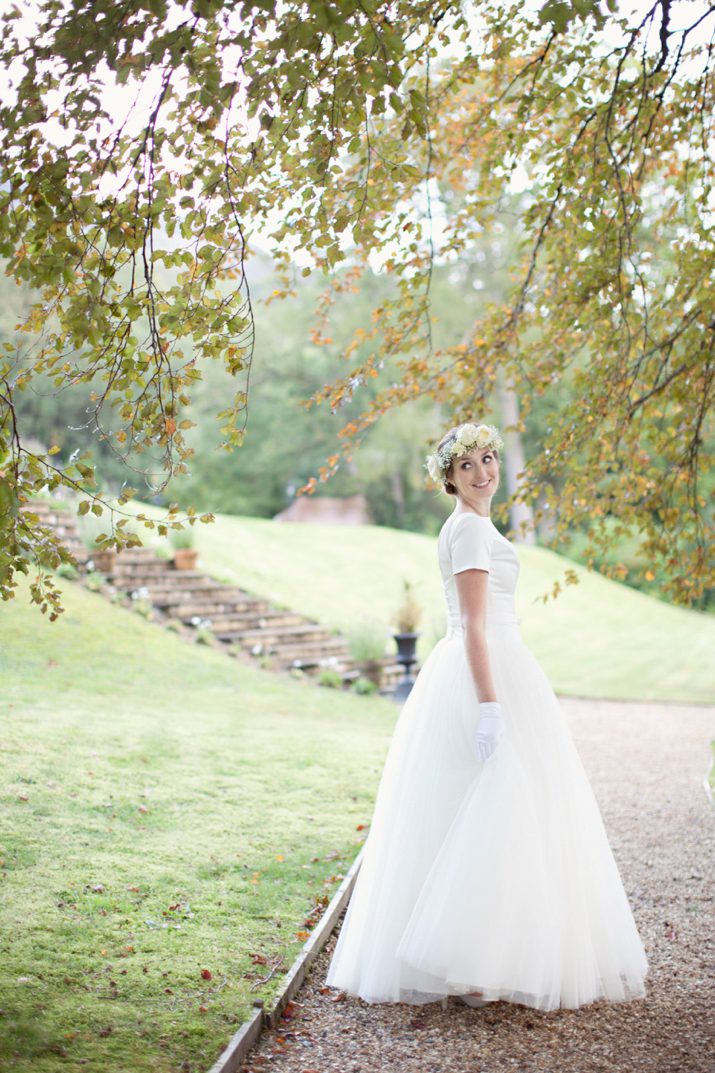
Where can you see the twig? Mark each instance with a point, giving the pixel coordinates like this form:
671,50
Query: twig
259,983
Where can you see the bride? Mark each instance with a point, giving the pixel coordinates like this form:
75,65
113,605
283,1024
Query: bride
487,873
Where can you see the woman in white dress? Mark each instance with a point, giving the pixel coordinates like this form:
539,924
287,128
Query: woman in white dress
487,873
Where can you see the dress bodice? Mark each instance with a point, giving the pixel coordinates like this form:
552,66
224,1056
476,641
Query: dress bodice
468,541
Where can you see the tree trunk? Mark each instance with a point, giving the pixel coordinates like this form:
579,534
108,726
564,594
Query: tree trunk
514,462
398,495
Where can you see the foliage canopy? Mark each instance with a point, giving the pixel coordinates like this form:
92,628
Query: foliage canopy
147,141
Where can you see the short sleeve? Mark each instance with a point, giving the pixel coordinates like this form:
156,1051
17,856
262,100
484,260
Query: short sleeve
470,543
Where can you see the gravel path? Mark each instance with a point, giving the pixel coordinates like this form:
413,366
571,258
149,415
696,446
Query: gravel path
646,763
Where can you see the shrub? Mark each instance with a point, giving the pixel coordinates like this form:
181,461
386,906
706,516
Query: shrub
330,679
364,686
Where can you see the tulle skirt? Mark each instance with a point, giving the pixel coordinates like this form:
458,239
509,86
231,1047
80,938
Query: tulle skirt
494,877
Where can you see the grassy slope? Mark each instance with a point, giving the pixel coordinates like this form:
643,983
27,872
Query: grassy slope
176,779
597,639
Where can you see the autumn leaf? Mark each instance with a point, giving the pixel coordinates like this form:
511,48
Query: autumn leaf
205,974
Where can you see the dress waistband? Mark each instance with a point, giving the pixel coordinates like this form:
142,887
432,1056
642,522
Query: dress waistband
497,627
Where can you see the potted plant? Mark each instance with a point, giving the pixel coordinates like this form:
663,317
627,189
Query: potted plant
185,555
406,618
367,645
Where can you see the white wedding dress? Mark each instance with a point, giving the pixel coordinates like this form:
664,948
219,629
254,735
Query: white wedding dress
497,877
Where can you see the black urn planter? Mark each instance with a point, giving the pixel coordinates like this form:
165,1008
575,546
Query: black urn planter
406,657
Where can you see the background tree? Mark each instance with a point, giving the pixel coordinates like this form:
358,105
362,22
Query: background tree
334,128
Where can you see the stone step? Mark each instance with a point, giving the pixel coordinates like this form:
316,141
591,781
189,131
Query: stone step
170,582
182,604
230,619
283,634
135,576
288,654
277,637
139,556
159,570
189,580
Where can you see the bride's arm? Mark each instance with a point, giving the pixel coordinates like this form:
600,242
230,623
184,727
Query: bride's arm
472,594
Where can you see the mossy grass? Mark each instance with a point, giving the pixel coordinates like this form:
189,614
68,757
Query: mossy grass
166,810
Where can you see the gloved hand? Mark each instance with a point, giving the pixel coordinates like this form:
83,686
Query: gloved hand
491,728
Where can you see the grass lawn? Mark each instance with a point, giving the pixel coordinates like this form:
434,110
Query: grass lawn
597,639
165,810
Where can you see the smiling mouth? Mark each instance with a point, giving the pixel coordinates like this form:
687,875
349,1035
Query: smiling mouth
483,484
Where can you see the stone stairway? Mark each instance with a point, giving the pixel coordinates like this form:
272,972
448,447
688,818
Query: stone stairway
199,606
281,638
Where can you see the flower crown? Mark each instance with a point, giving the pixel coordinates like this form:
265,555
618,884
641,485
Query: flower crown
467,438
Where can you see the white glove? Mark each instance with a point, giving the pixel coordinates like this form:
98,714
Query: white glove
491,728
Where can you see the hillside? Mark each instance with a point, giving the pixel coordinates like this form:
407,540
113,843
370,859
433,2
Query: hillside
598,638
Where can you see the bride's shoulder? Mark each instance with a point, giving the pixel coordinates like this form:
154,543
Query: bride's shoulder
465,524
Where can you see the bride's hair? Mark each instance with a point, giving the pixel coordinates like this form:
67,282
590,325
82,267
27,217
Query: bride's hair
448,438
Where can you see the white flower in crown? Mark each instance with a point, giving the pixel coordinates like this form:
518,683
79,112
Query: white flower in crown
485,436
433,468
468,433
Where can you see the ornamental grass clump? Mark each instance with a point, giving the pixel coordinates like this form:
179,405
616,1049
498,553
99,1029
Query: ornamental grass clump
409,614
367,642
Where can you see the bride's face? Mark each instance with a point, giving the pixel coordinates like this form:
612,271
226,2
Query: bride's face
476,475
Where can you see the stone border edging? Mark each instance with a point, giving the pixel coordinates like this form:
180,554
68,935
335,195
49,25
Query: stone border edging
249,1032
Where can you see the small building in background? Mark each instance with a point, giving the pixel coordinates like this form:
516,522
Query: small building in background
324,510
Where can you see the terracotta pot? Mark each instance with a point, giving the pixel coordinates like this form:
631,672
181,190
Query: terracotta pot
185,559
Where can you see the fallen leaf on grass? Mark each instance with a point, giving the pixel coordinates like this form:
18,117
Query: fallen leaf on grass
205,974
302,935
22,797
257,959
168,991
203,1009
104,1032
